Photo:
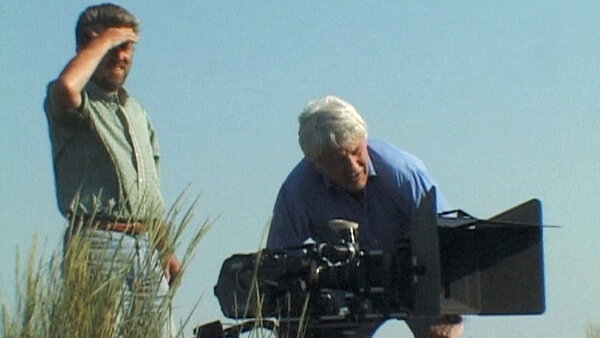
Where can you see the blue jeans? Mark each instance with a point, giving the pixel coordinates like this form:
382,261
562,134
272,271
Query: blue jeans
143,299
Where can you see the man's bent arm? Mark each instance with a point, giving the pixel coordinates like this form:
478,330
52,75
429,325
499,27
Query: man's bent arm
66,91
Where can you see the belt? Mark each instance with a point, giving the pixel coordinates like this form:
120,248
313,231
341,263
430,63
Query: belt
129,227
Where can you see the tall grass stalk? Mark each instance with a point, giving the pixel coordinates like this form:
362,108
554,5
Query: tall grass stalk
80,292
255,300
592,330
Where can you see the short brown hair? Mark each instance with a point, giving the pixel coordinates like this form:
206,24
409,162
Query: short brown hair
105,15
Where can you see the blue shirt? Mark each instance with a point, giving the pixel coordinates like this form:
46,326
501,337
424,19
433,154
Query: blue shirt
307,201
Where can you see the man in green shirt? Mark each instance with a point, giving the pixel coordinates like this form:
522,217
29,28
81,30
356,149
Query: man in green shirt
105,149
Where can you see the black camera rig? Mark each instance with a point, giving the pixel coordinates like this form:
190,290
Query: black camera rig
453,264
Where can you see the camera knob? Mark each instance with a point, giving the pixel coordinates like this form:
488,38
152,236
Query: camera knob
338,225
345,229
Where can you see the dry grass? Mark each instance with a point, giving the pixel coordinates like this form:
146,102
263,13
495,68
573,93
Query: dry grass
69,296
592,331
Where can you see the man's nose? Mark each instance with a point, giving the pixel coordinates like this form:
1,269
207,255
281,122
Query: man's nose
120,52
351,163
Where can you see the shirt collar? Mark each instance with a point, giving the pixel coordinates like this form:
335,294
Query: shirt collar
101,93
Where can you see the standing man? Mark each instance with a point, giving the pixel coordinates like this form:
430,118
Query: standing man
105,149
344,175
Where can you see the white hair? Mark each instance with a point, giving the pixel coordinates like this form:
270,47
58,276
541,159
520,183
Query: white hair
329,123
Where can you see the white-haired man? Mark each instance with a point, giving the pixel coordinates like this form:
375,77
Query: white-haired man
346,175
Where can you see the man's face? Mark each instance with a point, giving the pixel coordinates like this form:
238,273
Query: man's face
114,67
346,167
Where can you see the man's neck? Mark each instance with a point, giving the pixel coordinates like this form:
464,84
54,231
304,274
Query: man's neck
108,89
120,92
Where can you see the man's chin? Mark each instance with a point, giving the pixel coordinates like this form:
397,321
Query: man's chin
112,84
355,187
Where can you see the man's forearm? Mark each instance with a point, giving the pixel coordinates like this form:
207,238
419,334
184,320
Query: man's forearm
78,72
66,91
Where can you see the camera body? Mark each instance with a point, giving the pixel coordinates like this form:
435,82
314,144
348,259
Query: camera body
316,282
448,263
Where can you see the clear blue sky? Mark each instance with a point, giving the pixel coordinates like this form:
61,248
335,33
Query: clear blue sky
501,100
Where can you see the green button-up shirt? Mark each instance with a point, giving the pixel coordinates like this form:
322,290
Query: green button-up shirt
105,157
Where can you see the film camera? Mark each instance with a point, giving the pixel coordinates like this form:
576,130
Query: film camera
453,264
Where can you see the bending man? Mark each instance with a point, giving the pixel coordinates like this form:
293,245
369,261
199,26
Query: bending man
346,175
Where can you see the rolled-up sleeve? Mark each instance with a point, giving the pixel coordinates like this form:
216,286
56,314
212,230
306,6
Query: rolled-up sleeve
60,115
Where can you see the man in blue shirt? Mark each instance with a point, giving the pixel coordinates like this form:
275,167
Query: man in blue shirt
344,175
